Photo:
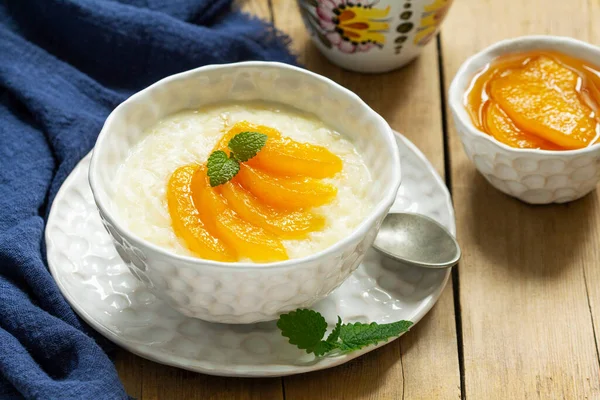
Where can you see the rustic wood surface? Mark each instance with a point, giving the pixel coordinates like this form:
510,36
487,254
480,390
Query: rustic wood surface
520,318
529,278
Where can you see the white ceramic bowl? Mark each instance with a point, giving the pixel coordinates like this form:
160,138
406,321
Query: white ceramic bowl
533,176
244,292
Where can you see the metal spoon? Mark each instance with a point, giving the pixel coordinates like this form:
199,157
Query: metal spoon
417,240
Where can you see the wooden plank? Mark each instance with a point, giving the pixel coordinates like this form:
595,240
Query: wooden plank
145,379
162,382
525,313
130,372
590,268
409,100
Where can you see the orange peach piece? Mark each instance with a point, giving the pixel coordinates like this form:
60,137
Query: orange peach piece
284,156
186,220
244,126
285,193
477,96
503,129
542,100
248,240
287,157
286,225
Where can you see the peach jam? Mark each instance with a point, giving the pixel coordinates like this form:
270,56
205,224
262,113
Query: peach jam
537,100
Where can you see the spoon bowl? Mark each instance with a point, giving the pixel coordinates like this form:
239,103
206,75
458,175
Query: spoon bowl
417,240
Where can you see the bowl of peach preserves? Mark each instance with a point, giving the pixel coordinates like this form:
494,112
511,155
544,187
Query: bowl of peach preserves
527,113
242,191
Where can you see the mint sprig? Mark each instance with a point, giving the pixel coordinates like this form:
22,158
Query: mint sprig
358,335
335,333
246,145
243,146
221,168
306,329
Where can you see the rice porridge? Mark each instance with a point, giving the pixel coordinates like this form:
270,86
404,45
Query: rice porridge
189,137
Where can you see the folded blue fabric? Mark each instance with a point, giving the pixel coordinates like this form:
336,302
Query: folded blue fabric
64,65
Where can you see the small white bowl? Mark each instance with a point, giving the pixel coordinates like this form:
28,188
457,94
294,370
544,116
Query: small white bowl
244,292
531,175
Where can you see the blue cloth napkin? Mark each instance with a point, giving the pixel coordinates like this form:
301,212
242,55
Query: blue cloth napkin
64,65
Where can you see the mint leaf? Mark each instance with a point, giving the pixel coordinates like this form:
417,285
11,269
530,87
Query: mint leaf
246,145
331,343
243,146
304,328
358,335
324,347
335,333
221,168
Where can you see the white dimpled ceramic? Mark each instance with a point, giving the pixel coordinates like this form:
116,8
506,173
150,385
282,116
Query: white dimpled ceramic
531,175
104,291
243,293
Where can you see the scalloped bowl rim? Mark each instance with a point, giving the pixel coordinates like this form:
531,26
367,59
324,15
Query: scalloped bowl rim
360,231
476,62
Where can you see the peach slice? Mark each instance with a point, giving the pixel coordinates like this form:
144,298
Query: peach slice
272,190
548,70
287,157
503,129
244,126
284,156
285,193
541,98
290,225
186,219
248,240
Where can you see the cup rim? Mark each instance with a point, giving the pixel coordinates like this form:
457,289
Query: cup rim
476,62
380,208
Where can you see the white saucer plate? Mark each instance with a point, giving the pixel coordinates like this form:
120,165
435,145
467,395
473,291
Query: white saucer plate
100,288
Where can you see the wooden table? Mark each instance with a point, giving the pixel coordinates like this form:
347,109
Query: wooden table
521,317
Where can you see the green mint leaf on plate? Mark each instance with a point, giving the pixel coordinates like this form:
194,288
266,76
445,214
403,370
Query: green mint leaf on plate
221,168
324,347
304,328
335,333
358,335
246,145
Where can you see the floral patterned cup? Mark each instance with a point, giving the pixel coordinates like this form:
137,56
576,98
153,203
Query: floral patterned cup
372,35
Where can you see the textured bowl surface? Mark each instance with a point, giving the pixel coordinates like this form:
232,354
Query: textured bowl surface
533,176
245,292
